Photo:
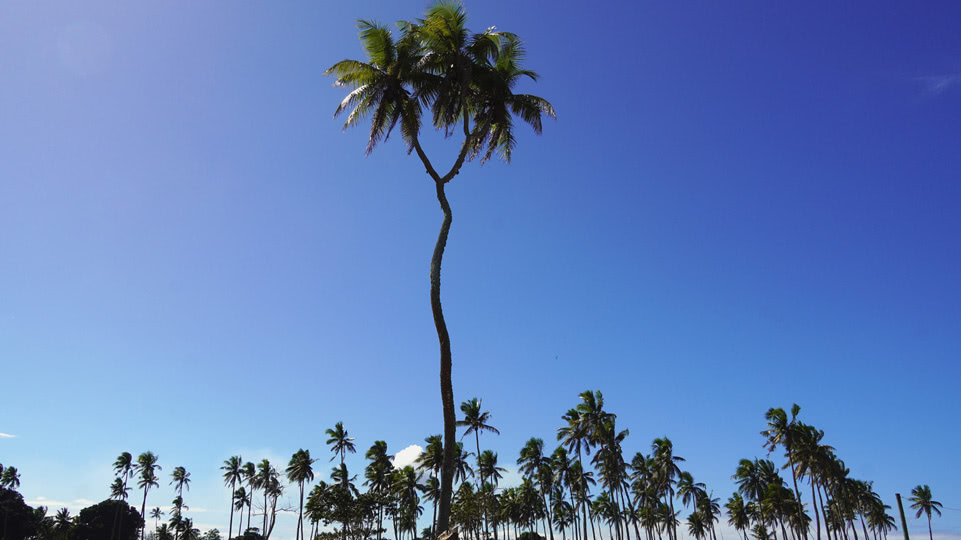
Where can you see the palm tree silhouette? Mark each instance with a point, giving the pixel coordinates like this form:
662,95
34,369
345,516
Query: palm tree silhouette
300,470
924,503
232,467
147,468
339,442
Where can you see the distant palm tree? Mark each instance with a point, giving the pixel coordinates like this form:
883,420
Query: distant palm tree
249,472
300,470
241,501
156,514
378,476
147,468
63,523
339,442
266,475
10,478
123,466
924,503
782,432
432,459
180,480
118,491
476,421
232,475
738,516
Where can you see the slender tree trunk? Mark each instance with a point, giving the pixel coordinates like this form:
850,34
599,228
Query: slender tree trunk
797,493
814,506
446,387
230,527
930,532
433,528
827,526
250,507
143,509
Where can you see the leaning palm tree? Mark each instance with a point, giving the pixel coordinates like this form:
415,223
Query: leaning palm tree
463,78
147,468
300,470
924,503
339,442
232,468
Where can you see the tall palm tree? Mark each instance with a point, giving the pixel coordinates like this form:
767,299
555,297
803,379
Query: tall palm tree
781,432
464,78
300,470
339,442
123,466
923,502
476,421
575,435
666,470
147,469
232,467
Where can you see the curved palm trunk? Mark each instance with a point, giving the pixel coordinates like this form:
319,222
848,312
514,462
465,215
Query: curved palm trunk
446,387
930,534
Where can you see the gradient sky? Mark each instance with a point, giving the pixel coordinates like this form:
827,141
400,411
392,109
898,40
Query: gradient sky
741,205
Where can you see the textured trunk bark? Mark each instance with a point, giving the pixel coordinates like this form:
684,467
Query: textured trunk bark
446,386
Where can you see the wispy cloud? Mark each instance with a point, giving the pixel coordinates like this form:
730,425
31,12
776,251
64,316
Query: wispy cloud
936,85
7,436
76,504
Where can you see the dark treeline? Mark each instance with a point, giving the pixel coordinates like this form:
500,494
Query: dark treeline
583,489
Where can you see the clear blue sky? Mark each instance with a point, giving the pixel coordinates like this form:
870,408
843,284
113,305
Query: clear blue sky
740,206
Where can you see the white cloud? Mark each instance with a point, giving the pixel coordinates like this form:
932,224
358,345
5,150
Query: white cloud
407,456
7,436
51,504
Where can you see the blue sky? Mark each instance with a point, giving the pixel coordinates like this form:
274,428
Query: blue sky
739,206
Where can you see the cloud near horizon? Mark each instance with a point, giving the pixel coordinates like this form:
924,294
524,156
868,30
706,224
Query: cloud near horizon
7,436
51,504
